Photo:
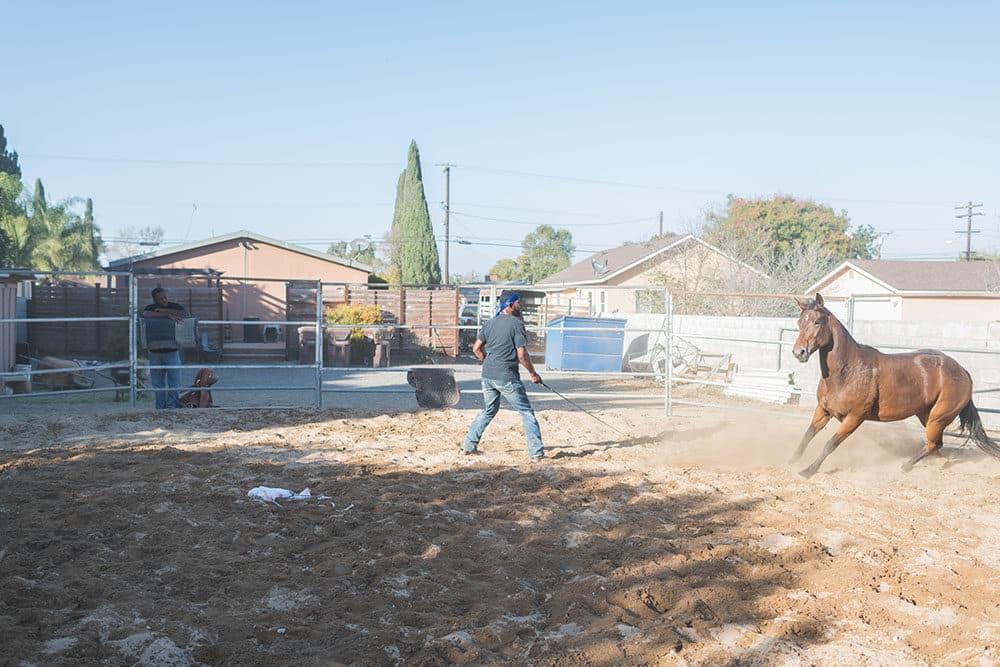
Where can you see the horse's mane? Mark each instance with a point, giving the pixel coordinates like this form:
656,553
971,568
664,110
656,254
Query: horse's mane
823,309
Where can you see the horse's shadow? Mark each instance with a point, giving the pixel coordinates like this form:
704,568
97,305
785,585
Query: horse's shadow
963,453
900,443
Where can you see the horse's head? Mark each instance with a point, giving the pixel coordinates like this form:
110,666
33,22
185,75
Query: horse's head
814,328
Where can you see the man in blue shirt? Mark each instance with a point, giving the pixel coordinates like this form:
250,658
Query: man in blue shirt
501,346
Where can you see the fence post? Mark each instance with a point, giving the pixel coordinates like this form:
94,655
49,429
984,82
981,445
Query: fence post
320,344
132,356
65,291
97,325
457,332
668,371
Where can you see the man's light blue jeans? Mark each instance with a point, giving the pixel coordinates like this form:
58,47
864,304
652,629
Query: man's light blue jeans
515,394
161,378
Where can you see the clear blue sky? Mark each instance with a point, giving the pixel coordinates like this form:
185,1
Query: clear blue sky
293,120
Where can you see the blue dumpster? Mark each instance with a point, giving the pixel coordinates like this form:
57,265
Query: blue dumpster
567,349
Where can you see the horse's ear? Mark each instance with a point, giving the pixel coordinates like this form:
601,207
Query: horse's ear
801,304
819,300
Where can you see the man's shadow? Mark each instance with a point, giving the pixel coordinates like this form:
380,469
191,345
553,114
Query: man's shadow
605,445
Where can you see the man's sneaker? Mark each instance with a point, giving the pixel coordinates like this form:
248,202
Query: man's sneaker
465,452
537,459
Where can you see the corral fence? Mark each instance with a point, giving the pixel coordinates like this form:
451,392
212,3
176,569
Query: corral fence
698,349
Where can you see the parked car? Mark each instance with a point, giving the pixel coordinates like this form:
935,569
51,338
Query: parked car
468,317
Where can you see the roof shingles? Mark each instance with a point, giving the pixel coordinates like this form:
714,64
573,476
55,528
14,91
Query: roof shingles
932,276
614,260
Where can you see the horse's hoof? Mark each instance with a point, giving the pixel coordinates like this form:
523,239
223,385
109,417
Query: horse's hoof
807,473
906,467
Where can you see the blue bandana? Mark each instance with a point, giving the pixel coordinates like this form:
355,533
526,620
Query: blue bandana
514,296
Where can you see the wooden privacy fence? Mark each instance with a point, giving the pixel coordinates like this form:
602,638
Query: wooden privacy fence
104,340
418,308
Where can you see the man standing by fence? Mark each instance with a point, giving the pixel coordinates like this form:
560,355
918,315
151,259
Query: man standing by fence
160,319
501,345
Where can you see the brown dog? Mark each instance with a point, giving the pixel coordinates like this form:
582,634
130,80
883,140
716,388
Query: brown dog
199,397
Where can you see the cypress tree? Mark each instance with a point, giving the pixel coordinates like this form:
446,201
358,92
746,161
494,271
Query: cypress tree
412,234
8,161
38,201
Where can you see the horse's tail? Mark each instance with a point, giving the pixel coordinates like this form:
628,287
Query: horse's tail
972,425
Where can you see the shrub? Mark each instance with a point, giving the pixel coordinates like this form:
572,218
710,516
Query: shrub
362,347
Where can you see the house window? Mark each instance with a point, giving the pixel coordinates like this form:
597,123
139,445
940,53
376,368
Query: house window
642,305
603,297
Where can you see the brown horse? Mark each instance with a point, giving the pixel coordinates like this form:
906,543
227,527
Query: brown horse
860,383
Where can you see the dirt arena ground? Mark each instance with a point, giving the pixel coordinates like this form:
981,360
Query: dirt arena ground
129,539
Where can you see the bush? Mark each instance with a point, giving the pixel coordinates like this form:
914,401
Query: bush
354,314
362,347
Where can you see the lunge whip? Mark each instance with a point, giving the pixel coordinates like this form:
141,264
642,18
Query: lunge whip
579,407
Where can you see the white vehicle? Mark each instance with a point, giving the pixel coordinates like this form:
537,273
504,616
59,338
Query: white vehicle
468,317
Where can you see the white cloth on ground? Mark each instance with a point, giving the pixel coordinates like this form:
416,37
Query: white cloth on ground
270,494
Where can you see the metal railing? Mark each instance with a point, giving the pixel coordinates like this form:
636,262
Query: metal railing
668,333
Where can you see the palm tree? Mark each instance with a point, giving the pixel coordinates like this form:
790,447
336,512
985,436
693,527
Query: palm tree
50,237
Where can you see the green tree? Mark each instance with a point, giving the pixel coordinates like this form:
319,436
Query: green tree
787,223
11,211
81,240
362,250
8,159
506,270
14,224
413,248
52,237
545,251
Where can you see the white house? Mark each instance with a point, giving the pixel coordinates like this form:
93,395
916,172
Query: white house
905,290
622,279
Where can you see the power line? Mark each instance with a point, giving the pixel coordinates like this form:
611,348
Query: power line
283,205
579,214
676,188
573,224
462,240
329,164
591,181
212,163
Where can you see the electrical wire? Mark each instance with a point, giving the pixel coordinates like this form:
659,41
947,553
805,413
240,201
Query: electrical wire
536,224
212,163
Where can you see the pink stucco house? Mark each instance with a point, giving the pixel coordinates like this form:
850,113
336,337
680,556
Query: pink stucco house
224,261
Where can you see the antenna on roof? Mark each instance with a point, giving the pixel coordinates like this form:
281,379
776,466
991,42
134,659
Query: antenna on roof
600,268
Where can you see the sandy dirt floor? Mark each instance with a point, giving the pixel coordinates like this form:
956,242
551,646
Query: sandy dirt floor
129,539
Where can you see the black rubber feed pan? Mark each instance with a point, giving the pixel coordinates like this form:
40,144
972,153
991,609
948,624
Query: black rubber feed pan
436,387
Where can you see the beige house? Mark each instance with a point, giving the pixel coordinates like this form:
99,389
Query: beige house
904,290
632,277
225,260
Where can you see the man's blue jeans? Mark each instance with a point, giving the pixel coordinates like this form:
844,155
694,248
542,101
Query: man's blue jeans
518,398
161,378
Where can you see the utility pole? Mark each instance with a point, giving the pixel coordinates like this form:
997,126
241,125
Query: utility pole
880,239
661,223
447,216
969,231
